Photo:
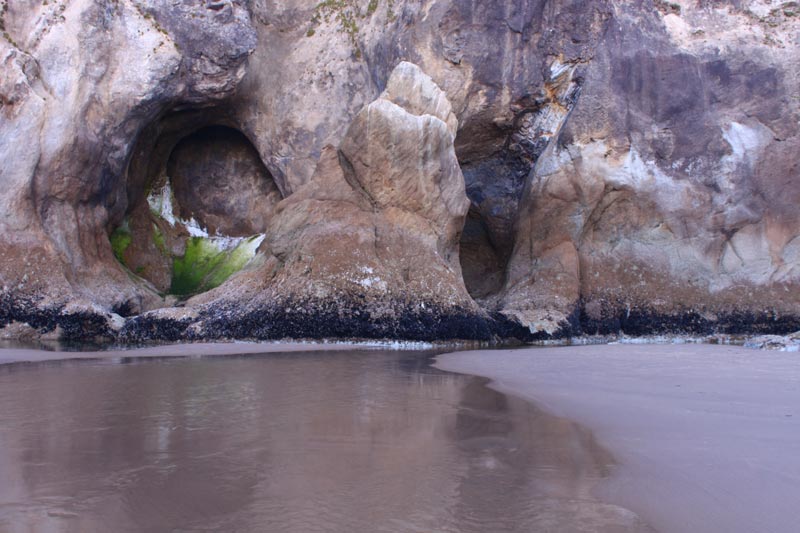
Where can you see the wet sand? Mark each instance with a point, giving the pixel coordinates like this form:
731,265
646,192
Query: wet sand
707,438
330,442
29,355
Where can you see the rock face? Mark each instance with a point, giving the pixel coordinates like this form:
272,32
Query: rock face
219,180
81,80
410,168
668,202
369,246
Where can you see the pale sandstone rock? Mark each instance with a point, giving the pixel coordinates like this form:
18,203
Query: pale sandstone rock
661,207
81,80
628,164
373,237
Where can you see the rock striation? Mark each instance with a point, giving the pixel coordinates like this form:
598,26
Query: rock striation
398,168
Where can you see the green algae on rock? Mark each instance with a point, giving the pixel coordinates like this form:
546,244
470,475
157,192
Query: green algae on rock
209,262
199,261
120,240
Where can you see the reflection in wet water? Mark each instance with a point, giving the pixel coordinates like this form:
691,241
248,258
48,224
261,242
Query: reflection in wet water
329,442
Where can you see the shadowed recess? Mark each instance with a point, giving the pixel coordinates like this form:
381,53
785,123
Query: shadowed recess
200,199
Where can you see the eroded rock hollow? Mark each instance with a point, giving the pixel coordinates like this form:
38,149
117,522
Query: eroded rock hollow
420,169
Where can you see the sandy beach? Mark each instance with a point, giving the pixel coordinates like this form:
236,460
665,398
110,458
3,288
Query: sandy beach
706,437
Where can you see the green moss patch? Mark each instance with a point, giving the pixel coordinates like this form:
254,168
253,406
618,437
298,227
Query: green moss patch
347,13
207,265
207,262
120,240
159,240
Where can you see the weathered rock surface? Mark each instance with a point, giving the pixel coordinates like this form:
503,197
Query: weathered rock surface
628,165
80,81
219,180
668,202
783,343
369,246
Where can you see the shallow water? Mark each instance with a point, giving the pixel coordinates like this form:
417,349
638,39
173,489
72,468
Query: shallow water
329,442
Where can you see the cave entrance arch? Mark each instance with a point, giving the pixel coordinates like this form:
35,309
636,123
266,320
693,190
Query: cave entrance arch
199,199
494,184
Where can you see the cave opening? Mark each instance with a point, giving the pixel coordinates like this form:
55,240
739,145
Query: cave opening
482,264
199,199
494,186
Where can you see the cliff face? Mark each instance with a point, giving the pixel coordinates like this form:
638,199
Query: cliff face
416,169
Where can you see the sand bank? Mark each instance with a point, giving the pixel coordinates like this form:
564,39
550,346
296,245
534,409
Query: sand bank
23,355
707,437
